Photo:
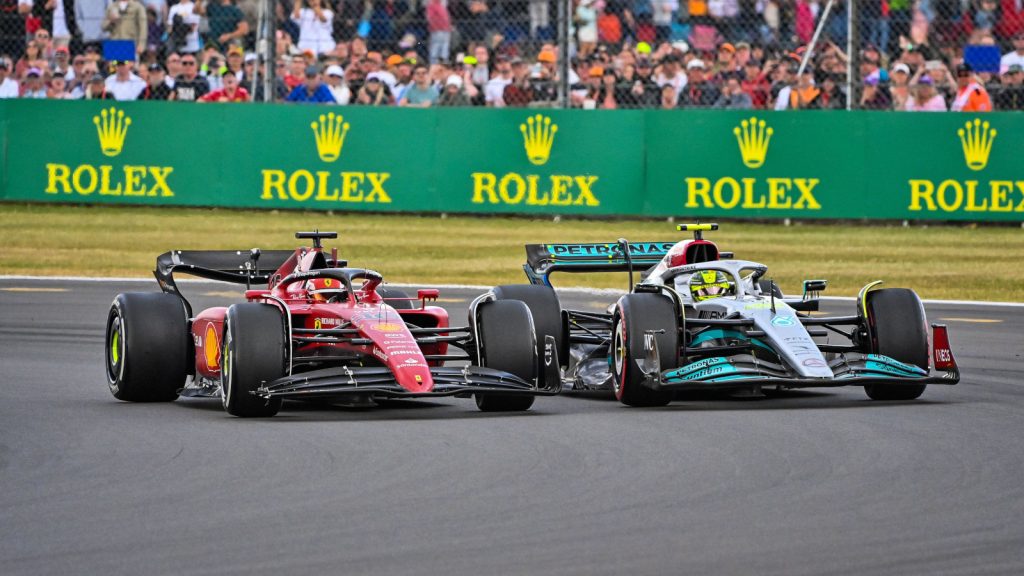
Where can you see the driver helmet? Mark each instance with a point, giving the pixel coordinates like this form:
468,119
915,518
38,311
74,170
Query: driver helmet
326,290
707,284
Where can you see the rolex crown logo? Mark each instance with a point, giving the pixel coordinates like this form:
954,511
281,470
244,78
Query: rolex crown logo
753,138
330,133
538,136
112,126
976,138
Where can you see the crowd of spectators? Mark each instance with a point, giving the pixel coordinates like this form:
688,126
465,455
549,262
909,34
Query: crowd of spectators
734,54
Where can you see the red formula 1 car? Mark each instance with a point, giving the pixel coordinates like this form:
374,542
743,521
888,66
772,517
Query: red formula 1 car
318,331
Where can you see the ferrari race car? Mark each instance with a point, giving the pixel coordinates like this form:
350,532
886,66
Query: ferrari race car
318,331
701,320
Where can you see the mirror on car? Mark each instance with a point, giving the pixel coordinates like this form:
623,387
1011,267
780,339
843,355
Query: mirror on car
813,287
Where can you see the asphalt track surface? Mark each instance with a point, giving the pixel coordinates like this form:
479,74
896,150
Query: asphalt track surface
813,482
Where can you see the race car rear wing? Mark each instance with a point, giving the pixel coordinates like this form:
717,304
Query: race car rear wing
236,266
543,259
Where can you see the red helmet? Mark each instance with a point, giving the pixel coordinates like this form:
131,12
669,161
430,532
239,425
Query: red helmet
326,290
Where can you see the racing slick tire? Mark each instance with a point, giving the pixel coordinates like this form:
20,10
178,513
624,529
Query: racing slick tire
546,310
147,347
506,336
899,330
253,352
634,315
386,292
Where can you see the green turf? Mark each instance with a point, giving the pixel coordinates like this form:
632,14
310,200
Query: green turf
949,262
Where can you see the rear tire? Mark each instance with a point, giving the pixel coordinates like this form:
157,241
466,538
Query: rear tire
900,331
386,292
546,310
253,353
635,314
506,335
147,347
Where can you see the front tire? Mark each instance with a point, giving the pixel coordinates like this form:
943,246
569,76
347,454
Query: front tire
506,332
147,347
546,310
386,292
634,315
253,353
899,330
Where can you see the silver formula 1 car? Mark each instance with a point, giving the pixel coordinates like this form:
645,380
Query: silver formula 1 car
700,319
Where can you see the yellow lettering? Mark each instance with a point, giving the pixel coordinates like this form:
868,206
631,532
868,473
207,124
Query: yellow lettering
293,185
560,195
76,179
520,191
273,180
532,199
958,197
484,182
748,194
377,193
105,188
720,199
972,206
921,190
586,196
57,173
698,187
350,190
999,189
322,187
160,181
778,190
1020,187
805,187
133,176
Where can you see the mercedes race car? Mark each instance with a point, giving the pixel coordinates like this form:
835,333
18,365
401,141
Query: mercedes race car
318,330
701,320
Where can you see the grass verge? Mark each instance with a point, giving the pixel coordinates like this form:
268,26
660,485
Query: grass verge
939,262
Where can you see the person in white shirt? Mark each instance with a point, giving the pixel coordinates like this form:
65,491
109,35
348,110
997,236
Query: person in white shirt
335,79
316,27
123,83
1015,57
494,90
186,10
8,87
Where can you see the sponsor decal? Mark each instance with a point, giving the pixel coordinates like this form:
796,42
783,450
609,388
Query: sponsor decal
784,321
534,189
976,139
107,179
319,323
380,354
386,327
814,363
608,250
212,347
753,137
329,132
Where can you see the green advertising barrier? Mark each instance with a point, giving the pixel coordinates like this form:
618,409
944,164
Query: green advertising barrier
649,163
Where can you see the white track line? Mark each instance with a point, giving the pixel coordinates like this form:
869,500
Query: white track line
576,290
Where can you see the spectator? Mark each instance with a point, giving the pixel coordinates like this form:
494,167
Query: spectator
126,20
32,57
294,71
1016,56
312,90
33,86
453,95
12,26
755,83
58,19
518,93
183,27
1011,95
336,84
874,95
783,80
733,97
924,98
8,87
123,83
374,93
494,90
80,84
971,96
439,25
60,63
698,93
668,97
643,92
231,92
156,85
479,65
236,61
672,74
189,86
227,23
173,63
74,73
609,95
899,85
421,94
315,26
805,91
57,89
586,27
97,89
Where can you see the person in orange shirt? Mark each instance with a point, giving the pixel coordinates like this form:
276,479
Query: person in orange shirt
231,92
970,94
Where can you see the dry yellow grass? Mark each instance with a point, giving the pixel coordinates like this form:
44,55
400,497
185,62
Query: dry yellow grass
949,262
